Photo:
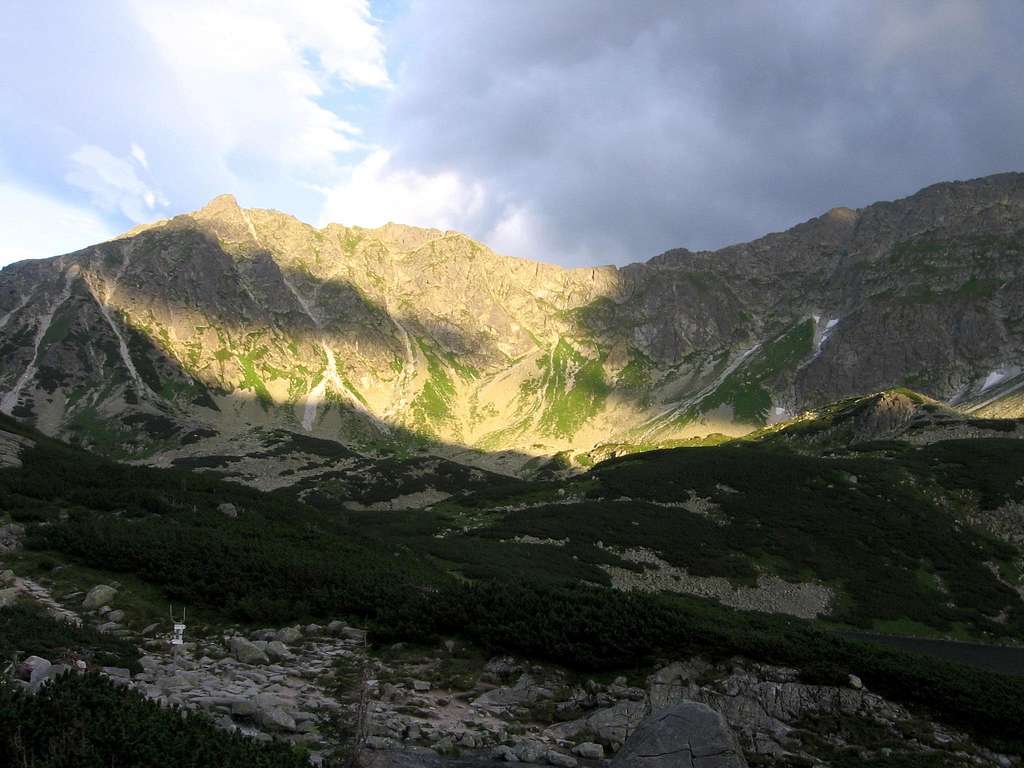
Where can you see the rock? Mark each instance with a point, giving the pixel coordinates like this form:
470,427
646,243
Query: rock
420,686
243,708
150,629
98,596
227,509
505,753
119,672
352,633
277,719
561,760
671,684
246,652
7,577
335,627
8,596
110,628
313,629
288,635
530,751
34,670
278,651
685,735
856,683
116,616
589,750
615,724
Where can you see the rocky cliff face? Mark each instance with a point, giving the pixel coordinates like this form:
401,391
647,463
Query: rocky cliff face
195,329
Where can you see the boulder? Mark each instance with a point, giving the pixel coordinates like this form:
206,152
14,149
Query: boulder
227,509
34,670
288,635
117,616
278,651
561,760
675,683
615,724
589,750
7,577
246,652
685,735
530,751
8,596
276,719
98,596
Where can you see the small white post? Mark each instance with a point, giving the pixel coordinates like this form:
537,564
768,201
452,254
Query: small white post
178,634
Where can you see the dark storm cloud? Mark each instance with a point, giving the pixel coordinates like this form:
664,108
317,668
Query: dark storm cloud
626,128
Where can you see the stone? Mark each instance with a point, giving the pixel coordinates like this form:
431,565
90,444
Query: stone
278,651
313,629
98,596
615,724
420,686
671,684
246,652
685,735
34,670
335,627
856,683
277,719
589,750
243,708
8,596
228,509
504,753
288,635
118,672
116,616
561,759
530,751
149,630
7,577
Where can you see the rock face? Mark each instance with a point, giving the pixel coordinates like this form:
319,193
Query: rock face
226,320
687,735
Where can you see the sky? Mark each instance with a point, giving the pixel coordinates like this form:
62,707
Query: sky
581,132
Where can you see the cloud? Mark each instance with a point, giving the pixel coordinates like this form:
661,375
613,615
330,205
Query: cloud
112,184
35,225
253,74
376,193
606,131
140,156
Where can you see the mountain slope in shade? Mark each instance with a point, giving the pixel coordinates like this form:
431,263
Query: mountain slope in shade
196,330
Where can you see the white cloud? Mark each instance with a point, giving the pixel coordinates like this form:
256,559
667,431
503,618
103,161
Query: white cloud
252,74
140,155
377,193
35,225
112,183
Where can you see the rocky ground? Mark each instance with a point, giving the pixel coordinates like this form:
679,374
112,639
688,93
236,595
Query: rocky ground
449,705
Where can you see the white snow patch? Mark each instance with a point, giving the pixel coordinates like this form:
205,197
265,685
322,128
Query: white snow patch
992,379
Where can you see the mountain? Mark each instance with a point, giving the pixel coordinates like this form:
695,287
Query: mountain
191,337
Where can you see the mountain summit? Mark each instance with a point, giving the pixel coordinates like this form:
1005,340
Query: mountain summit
397,338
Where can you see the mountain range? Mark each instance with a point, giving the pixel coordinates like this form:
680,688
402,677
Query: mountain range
230,327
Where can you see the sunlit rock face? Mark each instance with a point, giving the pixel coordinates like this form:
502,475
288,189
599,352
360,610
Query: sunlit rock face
395,339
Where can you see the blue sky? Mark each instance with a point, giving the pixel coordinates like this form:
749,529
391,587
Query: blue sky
577,131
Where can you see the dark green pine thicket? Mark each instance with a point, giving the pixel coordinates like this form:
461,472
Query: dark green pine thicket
86,721
282,561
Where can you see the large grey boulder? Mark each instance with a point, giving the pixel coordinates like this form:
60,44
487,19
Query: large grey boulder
34,670
8,596
288,635
98,596
247,652
685,735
